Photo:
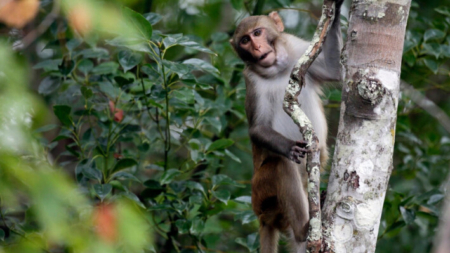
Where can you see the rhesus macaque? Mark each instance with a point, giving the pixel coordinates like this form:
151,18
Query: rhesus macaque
279,197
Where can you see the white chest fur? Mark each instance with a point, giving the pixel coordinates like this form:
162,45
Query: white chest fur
270,94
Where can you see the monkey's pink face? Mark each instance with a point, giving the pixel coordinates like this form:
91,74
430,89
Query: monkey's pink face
255,42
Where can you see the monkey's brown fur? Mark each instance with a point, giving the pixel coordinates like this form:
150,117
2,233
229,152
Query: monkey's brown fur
279,197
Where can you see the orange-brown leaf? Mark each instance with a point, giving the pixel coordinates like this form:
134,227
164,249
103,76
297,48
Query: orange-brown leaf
80,19
105,222
17,13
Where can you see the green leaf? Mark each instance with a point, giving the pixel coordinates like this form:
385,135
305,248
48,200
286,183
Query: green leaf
435,198
445,10
409,58
102,190
71,150
432,65
195,200
48,65
183,226
221,179
219,36
194,45
46,128
106,68
202,65
122,81
110,90
73,43
124,176
171,40
232,156
433,34
245,216
66,67
86,169
86,92
98,52
152,184
178,186
140,24
128,59
195,186
85,66
124,164
133,44
215,123
432,49
180,206
408,215
61,137
151,193
244,200
445,51
395,226
182,70
222,195
154,167
2,235
49,85
195,144
133,197
154,188
63,114
408,45
198,225
152,17
237,4
220,144
251,242
168,176
184,95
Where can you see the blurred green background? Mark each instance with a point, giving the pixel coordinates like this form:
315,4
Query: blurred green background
122,126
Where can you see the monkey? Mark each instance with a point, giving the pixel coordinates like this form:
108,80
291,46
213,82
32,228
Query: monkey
279,197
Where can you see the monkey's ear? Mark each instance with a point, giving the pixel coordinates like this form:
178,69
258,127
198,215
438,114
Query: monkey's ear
232,45
278,22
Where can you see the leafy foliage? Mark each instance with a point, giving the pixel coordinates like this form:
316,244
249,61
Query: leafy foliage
146,113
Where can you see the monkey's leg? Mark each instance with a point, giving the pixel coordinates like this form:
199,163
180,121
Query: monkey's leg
294,245
293,200
268,239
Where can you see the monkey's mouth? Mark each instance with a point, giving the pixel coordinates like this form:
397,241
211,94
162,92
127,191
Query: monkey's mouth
264,56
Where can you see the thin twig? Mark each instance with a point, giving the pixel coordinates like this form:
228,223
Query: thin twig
426,104
43,26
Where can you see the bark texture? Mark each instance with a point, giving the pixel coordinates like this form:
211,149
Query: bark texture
442,240
362,161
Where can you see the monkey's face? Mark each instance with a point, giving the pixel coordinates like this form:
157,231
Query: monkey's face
256,42
255,38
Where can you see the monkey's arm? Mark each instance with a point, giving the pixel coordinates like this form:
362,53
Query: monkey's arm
265,136
327,66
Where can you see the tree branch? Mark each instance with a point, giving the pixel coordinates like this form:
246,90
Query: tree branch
426,104
292,108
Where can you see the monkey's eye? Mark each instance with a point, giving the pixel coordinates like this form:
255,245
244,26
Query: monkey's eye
245,40
257,32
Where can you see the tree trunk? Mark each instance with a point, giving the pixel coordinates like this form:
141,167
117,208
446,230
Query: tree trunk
442,239
362,161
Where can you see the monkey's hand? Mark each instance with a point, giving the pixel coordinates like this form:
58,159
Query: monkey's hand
298,150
